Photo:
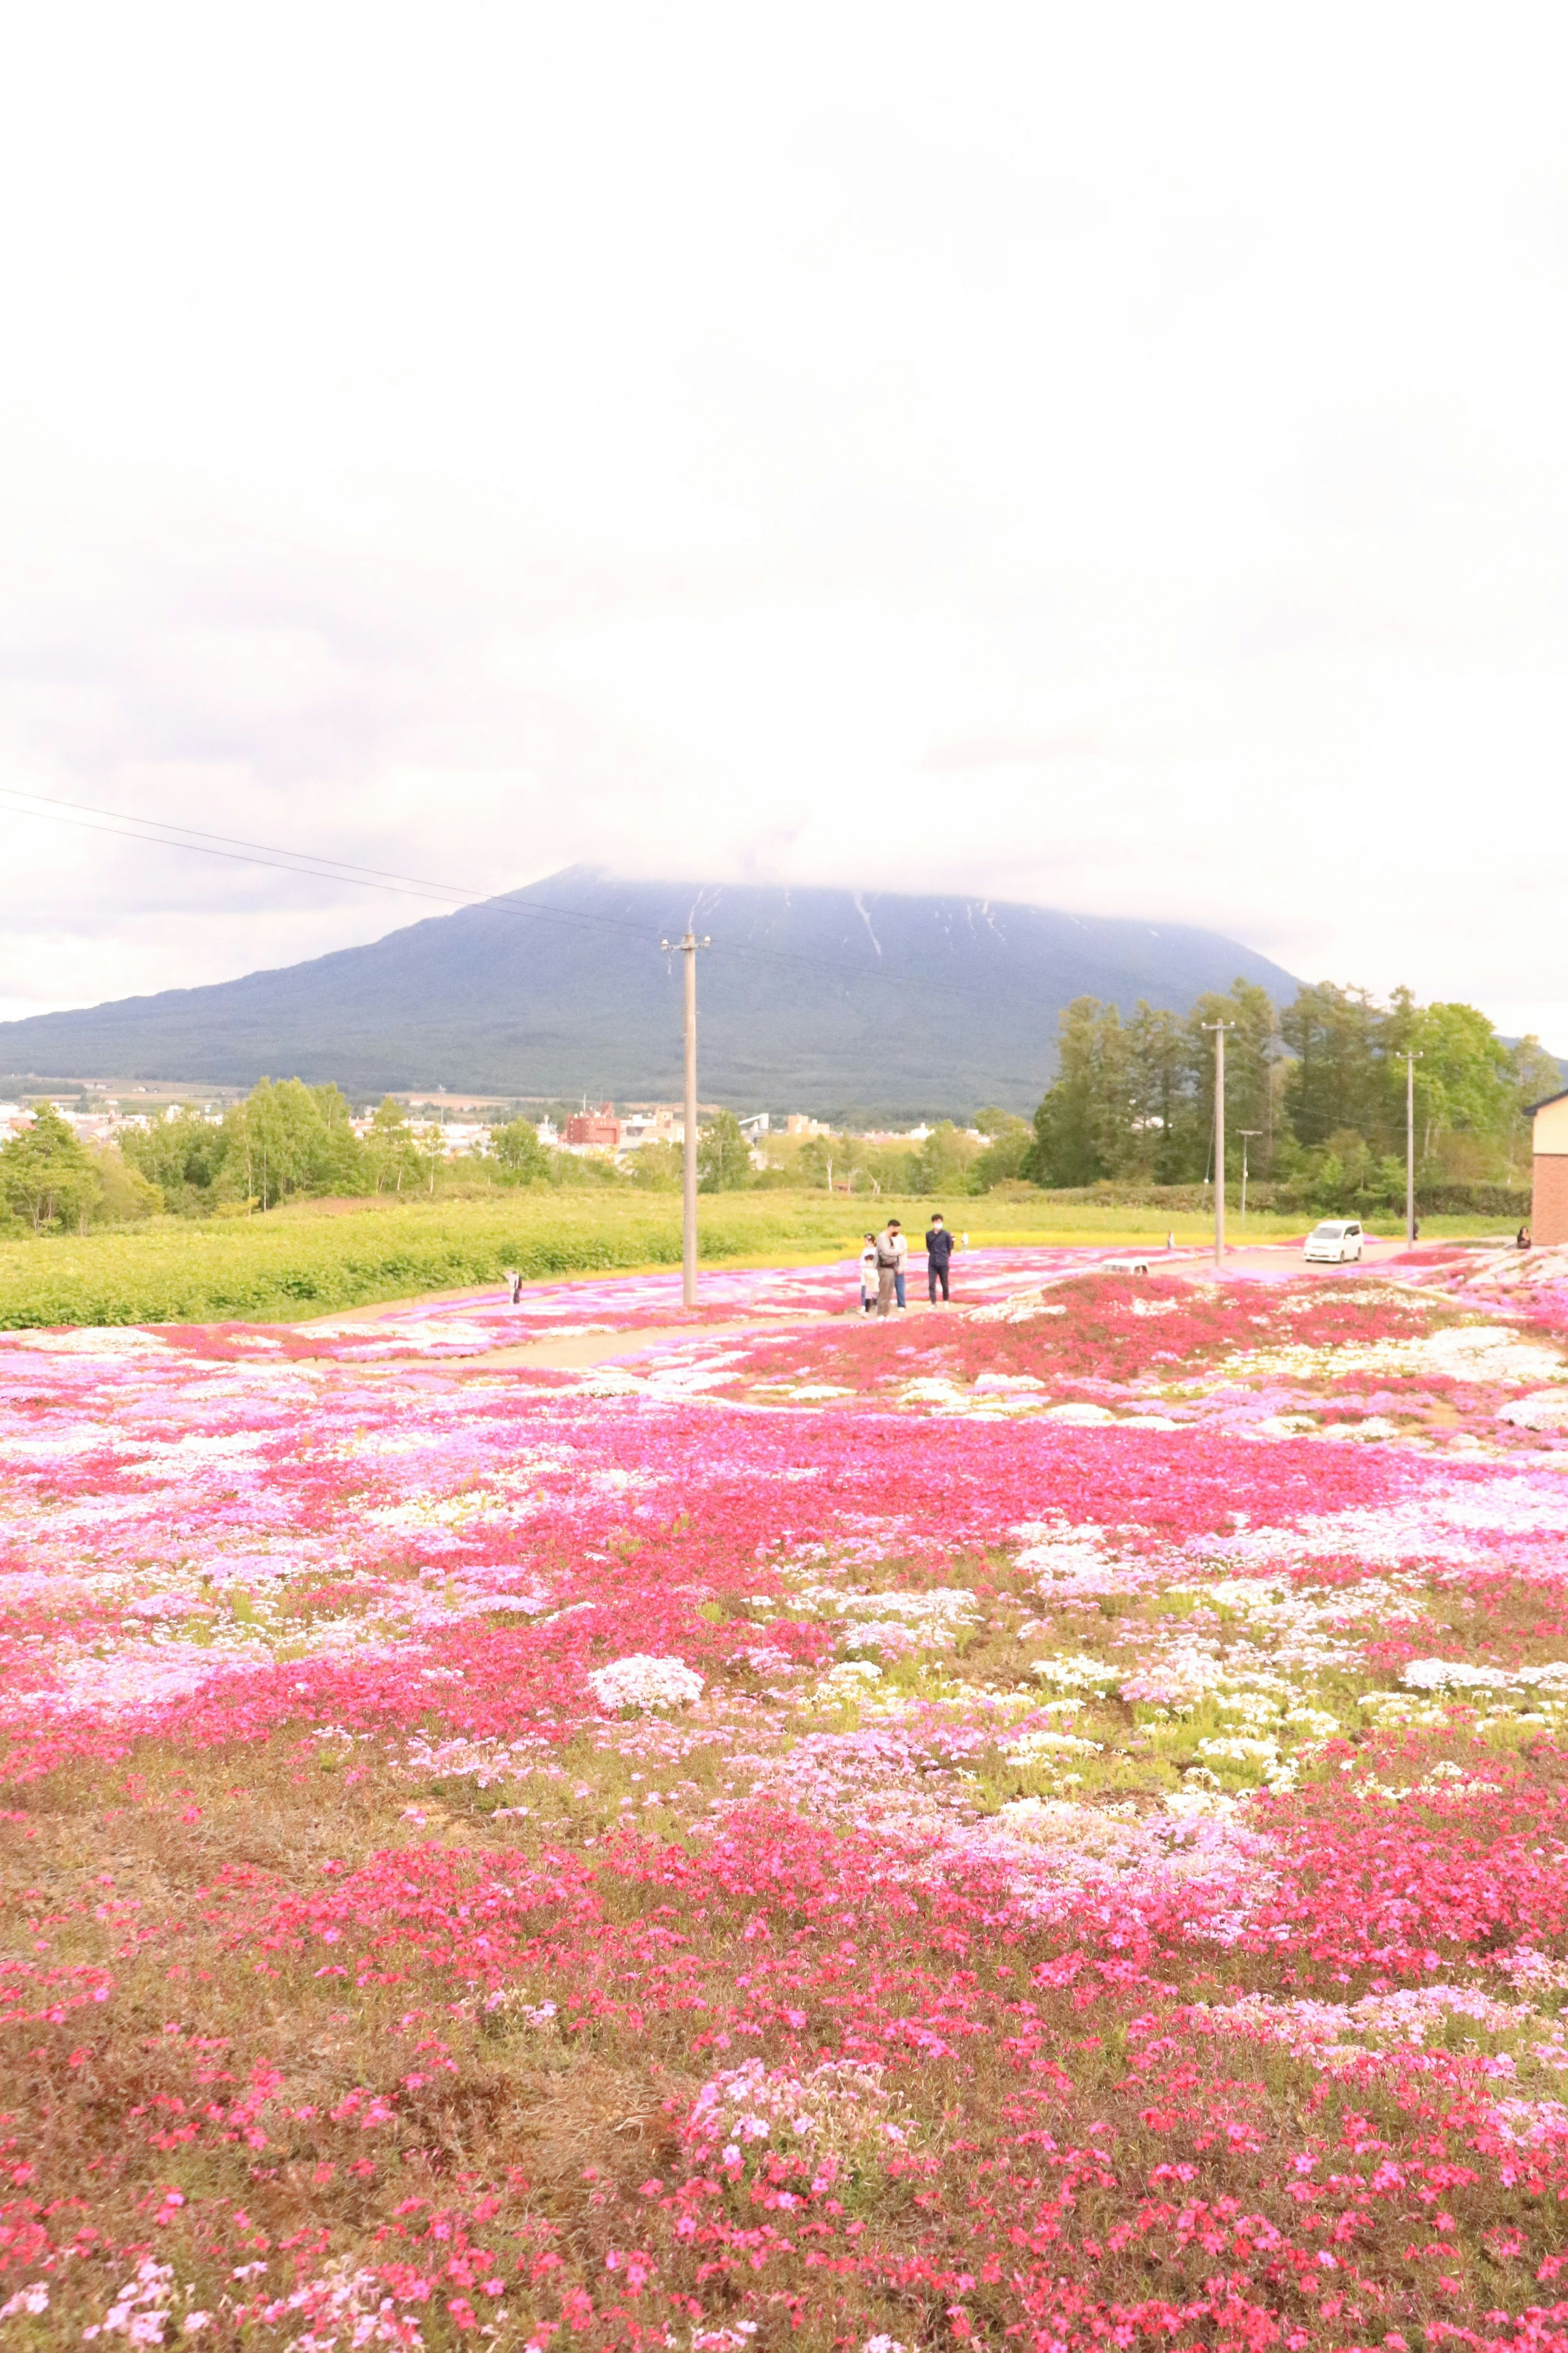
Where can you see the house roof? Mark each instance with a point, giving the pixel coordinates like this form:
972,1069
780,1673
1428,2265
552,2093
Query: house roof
1560,1096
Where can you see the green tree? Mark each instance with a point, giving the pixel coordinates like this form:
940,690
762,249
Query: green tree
1465,1080
390,1154
1001,1158
820,1160
517,1152
185,1156
292,1138
1250,1048
1084,1124
47,1175
946,1162
658,1167
1338,1078
1166,1139
124,1196
723,1155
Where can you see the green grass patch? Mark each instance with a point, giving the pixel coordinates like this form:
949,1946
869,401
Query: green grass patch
306,1262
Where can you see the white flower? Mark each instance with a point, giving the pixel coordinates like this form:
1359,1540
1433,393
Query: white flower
1436,1674
1039,1748
643,1682
1075,1674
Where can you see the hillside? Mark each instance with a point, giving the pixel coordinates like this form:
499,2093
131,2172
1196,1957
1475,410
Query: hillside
837,1002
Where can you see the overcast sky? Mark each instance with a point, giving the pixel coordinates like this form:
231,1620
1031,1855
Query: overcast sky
1111,456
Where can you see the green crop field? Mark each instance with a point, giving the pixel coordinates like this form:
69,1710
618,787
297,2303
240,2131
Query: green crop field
308,1260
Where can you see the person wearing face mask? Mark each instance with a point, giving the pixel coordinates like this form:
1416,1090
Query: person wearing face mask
939,1254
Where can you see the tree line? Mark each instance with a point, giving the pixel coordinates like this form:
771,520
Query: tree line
286,1139
1315,1093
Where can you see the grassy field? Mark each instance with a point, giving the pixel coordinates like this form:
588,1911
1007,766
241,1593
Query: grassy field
308,1259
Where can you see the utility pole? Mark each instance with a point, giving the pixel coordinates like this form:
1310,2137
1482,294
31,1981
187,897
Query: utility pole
1219,1028
1410,1063
689,944
1246,1135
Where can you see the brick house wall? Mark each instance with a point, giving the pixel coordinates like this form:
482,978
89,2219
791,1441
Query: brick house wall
1549,1206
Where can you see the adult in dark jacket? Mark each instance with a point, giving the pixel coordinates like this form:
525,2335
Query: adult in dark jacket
939,1250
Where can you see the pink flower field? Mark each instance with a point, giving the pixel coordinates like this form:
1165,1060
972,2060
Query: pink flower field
1043,1824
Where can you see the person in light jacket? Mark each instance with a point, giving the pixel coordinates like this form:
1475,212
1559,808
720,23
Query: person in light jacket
869,1275
889,1247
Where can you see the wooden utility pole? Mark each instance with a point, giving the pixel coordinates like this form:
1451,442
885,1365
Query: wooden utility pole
1410,1063
1219,1028
689,944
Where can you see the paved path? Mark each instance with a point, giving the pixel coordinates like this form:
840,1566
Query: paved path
479,1337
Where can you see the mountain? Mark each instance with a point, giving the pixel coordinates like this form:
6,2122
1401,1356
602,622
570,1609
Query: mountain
832,1002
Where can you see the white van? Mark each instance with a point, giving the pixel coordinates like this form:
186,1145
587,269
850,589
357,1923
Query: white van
1336,1240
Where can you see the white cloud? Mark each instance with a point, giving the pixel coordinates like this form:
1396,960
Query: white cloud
1111,456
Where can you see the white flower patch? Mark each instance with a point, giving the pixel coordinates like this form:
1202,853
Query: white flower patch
1459,1675
1311,1724
1283,1425
422,1512
1238,1748
1179,1681
643,1682
934,1390
1489,1352
1074,1672
1021,1308
1451,1674
1072,1562
196,1450
898,1623
1045,1747
852,1679
1542,1410
93,1340
1469,1352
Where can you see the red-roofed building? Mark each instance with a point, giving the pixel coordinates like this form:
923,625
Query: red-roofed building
599,1131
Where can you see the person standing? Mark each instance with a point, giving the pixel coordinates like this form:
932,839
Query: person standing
901,1244
939,1252
888,1262
869,1275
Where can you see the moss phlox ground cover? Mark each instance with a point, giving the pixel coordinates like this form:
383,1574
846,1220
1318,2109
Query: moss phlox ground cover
1041,1824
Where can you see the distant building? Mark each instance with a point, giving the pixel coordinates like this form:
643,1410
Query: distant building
594,1131
798,1123
1549,1198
